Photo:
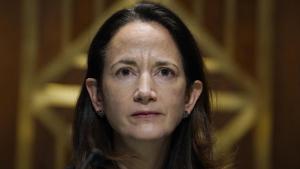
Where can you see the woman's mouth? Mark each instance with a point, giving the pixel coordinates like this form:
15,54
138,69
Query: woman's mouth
146,114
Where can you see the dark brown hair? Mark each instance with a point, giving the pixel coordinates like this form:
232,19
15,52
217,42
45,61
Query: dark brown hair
191,145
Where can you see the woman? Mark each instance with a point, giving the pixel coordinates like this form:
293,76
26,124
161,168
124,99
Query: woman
145,100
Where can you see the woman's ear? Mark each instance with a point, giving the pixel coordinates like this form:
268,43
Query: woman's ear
92,88
193,95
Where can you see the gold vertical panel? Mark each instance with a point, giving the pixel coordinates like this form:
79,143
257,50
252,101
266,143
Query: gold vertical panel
25,130
66,21
263,132
230,22
98,8
198,7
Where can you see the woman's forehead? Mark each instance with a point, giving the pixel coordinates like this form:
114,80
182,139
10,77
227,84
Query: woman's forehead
140,31
142,38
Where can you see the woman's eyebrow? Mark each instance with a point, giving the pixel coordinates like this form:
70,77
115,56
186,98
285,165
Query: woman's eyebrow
133,63
126,62
165,63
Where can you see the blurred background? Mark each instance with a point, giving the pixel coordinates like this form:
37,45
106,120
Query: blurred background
251,50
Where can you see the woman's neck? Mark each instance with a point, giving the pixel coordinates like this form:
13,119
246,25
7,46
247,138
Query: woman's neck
148,154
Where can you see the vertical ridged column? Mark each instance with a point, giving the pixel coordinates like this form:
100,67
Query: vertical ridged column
29,45
263,131
66,22
229,30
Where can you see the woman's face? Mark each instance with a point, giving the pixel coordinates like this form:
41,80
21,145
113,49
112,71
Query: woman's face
144,85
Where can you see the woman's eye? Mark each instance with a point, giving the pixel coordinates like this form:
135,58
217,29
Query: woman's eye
166,72
124,72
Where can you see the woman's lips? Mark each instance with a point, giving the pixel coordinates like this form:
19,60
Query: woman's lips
146,114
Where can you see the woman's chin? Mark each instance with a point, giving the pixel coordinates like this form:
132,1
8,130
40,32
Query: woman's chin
149,135
146,132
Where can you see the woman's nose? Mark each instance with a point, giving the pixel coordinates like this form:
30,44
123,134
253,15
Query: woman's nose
145,92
